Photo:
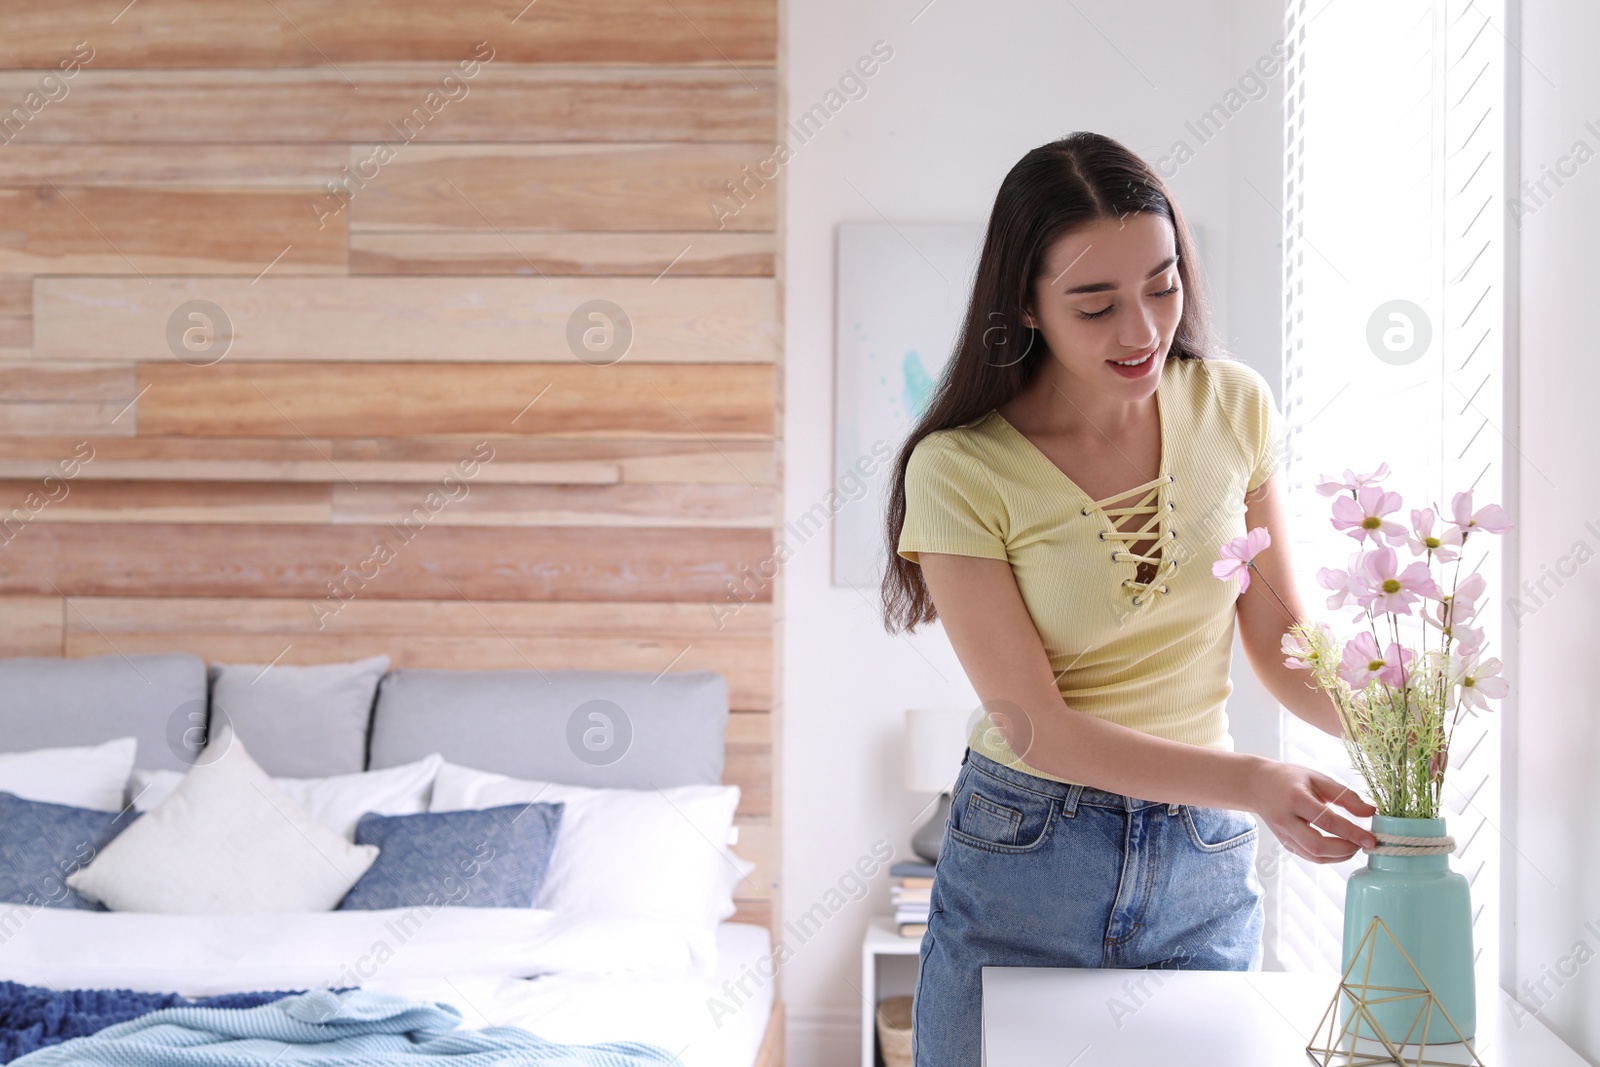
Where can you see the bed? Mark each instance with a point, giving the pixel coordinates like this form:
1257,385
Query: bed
604,972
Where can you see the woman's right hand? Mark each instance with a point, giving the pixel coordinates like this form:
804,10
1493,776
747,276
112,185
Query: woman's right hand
1297,804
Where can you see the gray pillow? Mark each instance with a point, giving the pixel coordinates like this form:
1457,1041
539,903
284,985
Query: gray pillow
602,729
300,722
61,703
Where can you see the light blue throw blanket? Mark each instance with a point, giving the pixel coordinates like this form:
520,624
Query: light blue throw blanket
357,1028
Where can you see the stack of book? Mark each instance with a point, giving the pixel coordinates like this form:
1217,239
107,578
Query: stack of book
913,881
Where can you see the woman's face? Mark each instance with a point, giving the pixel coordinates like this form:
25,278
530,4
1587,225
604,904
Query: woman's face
1110,291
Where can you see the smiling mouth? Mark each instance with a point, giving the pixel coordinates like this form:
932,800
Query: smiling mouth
1133,362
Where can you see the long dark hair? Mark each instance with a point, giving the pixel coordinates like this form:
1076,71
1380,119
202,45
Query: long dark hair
1051,191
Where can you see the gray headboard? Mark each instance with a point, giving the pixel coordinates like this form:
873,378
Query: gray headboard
604,729
63,703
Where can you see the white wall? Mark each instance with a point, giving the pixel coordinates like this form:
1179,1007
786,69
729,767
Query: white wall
969,89
1552,785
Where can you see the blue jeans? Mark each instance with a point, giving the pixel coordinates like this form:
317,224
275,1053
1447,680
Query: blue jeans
1037,873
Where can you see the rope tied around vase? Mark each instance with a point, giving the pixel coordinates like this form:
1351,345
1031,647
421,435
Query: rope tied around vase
1402,845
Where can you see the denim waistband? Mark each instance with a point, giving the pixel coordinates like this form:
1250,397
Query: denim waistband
1072,796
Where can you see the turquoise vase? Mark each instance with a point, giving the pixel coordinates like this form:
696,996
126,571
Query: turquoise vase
1426,906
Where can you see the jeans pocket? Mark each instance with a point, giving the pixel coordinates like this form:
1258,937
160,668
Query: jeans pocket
1218,829
1000,816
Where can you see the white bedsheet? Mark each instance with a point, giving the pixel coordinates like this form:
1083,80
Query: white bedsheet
199,955
585,980
676,1014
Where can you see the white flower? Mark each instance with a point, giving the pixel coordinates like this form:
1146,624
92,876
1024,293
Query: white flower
1479,680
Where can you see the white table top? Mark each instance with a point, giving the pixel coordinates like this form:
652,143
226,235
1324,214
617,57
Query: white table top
1072,1017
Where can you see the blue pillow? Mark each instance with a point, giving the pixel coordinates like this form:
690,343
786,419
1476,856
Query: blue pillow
488,858
40,844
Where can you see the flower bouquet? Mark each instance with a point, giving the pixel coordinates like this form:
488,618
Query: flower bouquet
1398,707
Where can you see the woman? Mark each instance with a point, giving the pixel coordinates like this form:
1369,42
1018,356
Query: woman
1085,456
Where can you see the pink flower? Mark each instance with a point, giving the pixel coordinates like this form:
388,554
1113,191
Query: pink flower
1237,555
1295,654
1344,584
1463,602
1397,659
1300,656
1362,517
1460,606
1352,481
1389,591
1469,639
1491,518
1479,681
1423,538
1453,613
1339,582
1362,662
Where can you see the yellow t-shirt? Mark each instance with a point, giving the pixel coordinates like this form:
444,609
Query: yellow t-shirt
1156,656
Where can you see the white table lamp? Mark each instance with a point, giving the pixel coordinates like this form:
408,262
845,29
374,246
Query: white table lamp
936,739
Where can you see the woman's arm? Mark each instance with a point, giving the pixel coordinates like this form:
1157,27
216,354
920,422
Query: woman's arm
1263,621
999,648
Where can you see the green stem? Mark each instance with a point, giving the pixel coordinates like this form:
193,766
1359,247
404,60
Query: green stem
1263,579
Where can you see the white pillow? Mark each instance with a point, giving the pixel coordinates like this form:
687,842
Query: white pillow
91,777
642,851
337,803
227,840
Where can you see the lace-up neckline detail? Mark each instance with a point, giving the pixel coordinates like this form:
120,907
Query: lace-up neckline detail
1157,504
1154,501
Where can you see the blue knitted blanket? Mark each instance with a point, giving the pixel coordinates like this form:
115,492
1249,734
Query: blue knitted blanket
32,1017
357,1028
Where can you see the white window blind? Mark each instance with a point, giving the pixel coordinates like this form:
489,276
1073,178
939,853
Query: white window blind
1394,152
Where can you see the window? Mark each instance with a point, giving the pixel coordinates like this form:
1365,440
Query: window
1393,281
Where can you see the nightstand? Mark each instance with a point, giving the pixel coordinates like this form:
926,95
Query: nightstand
888,968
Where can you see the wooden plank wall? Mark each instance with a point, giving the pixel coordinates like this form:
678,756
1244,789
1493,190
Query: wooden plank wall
291,360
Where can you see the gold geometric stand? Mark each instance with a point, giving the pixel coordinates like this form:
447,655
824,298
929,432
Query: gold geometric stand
1361,994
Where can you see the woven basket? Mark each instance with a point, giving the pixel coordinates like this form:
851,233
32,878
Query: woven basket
894,1031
